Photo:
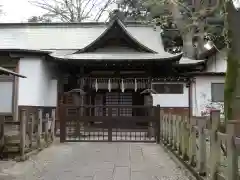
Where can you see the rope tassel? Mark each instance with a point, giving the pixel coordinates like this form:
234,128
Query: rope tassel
96,85
122,86
135,85
109,85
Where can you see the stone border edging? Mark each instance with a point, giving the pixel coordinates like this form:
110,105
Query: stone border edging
189,171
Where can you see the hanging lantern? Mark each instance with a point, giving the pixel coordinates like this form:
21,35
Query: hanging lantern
122,86
109,85
96,85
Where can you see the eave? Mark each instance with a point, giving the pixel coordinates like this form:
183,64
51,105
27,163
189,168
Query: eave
93,57
27,51
194,74
187,62
9,72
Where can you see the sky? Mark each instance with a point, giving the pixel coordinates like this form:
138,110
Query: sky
18,11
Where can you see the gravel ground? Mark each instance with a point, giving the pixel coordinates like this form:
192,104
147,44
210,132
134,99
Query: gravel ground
97,161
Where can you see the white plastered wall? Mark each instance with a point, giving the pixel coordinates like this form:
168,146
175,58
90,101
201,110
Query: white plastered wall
39,88
172,100
202,94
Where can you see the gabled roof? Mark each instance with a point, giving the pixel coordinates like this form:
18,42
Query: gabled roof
116,28
75,41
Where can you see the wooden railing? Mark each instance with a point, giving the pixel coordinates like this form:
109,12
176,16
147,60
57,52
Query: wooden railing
199,144
31,132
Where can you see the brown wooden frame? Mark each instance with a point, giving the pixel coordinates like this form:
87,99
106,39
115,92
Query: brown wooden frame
112,126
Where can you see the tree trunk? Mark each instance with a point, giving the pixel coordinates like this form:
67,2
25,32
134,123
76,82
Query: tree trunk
187,34
188,49
232,83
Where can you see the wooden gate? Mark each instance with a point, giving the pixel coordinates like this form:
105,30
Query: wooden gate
111,125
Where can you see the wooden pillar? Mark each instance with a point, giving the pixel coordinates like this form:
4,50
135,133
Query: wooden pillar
215,150
62,119
186,138
2,119
46,127
178,124
23,124
39,133
110,124
31,128
158,123
174,132
202,146
232,154
148,103
189,86
53,115
192,141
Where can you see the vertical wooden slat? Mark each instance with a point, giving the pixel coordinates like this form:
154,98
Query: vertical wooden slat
110,124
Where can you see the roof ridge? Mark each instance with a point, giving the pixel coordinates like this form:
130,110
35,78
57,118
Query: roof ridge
80,24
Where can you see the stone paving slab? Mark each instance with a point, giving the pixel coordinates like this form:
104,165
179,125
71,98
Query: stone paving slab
97,161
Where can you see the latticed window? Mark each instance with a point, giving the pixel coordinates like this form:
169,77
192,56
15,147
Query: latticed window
217,92
168,88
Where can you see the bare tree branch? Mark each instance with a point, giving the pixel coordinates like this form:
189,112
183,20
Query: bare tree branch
85,7
107,4
72,10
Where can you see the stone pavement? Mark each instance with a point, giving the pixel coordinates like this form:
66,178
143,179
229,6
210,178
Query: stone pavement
97,161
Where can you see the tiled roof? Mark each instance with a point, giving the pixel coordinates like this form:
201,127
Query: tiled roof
69,36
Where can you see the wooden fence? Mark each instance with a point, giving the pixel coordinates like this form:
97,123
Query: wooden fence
199,144
32,132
